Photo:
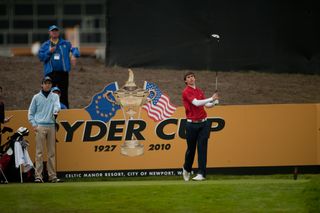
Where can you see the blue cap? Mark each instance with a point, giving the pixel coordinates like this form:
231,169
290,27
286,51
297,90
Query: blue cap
47,78
55,89
53,27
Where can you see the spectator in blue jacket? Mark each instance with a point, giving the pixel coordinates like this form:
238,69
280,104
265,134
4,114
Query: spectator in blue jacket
55,54
42,115
58,92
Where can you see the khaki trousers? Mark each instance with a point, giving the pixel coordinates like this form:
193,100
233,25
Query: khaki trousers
46,136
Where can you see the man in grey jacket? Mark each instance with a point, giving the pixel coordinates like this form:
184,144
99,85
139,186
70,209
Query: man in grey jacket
43,111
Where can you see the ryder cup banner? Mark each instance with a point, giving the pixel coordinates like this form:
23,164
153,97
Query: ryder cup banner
132,131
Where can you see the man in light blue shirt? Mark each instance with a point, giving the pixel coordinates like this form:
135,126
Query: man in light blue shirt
42,114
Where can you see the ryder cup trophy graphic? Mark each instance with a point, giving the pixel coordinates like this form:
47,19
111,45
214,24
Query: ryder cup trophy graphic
130,98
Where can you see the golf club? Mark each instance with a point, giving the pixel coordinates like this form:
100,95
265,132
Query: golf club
217,37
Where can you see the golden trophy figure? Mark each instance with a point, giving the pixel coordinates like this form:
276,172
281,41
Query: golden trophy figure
130,98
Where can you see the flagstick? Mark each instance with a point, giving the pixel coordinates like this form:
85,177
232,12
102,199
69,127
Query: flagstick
21,180
124,114
139,112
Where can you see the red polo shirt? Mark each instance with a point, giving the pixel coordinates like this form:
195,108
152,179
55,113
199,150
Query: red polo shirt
193,112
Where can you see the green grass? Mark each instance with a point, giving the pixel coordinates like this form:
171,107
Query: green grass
312,195
166,194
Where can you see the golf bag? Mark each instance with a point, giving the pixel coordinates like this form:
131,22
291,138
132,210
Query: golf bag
13,154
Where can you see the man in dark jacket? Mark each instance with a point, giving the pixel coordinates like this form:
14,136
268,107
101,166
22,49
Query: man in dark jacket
55,54
3,119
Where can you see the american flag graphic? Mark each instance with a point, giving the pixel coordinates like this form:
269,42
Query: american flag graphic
159,108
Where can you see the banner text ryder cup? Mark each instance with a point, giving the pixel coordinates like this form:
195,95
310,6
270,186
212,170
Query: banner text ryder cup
117,130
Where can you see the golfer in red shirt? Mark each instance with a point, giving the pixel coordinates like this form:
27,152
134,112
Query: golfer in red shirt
197,127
